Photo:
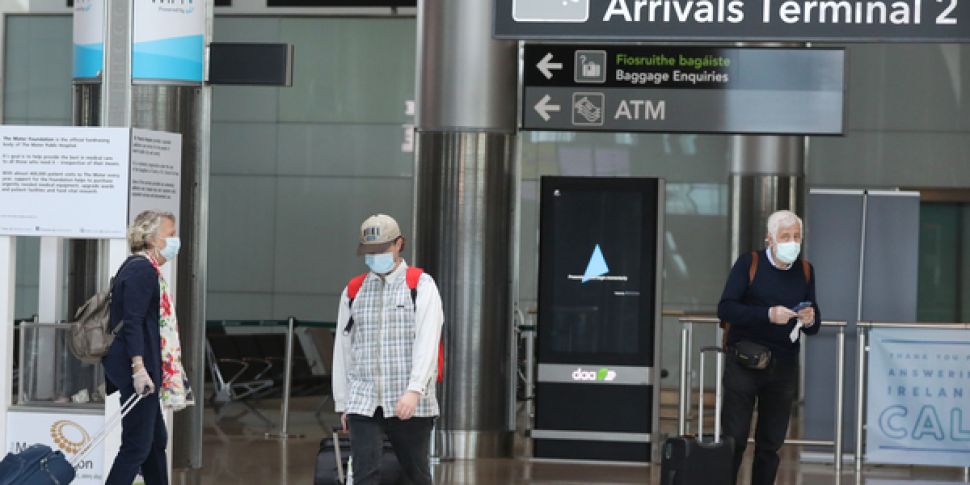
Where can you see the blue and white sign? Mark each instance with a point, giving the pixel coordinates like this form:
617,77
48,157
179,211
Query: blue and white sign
168,41
88,38
919,397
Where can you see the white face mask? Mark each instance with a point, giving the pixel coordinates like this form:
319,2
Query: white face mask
788,252
381,263
171,249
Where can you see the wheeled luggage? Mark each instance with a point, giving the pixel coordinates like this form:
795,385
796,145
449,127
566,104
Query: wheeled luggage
40,465
332,460
707,460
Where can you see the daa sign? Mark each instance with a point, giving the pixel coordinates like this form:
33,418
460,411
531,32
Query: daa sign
683,89
735,20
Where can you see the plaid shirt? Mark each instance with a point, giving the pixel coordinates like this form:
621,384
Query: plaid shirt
392,348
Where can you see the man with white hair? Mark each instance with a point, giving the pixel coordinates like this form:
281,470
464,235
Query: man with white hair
768,302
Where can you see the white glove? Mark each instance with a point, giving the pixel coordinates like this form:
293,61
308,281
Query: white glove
143,383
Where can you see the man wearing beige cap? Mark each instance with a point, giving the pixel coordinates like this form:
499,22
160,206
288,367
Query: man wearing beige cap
386,357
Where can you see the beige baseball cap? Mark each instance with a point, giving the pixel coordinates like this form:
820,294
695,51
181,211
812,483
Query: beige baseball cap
377,233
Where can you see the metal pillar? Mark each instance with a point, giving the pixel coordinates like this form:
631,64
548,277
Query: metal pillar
464,195
179,109
860,414
767,174
185,110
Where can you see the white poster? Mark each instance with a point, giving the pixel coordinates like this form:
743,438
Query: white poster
168,40
88,38
156,171
64,432
63,181
919,397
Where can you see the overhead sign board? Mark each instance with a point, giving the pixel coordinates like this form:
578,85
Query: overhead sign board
683,89
735,20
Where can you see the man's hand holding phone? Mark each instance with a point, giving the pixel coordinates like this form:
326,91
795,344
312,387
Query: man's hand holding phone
780,315
806,313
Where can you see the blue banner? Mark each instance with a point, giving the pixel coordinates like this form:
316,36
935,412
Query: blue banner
168,41
919,397
88,38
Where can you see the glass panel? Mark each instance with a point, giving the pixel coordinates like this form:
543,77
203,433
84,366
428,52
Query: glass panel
944,269
49,374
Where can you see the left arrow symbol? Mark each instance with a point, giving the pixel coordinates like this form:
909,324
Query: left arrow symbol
544,108
546,66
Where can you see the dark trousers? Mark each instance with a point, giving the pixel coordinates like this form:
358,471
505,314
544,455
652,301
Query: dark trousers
774,388
143,442
411,441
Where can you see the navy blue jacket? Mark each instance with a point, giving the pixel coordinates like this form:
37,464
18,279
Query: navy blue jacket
134,299
746,306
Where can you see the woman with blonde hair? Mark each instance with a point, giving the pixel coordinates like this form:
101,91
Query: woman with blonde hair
145,355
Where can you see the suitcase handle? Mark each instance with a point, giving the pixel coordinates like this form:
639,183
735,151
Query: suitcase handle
341,477
109,425
717,395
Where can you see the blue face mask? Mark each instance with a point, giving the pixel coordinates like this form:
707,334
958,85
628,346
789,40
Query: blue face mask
380,263
171,249
788,252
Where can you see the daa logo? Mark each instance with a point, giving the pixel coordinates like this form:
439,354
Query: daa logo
604,375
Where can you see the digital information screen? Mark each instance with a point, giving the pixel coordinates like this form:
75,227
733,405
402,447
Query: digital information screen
598,297
597,271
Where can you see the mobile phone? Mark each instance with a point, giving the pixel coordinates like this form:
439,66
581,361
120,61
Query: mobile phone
801,306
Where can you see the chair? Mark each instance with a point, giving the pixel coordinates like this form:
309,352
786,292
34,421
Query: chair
235,389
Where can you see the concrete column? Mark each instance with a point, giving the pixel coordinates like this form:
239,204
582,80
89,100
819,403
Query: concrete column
465,199
766,174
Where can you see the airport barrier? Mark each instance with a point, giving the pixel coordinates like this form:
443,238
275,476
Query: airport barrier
686,350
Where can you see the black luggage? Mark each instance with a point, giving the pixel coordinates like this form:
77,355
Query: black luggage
331,467
707,460
39,465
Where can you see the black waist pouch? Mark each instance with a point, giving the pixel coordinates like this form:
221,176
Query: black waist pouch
752,355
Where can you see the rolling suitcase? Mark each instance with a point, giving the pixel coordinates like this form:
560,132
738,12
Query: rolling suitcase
39,465
334,454
707,460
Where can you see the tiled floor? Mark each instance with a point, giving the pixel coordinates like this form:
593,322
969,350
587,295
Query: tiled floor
236,453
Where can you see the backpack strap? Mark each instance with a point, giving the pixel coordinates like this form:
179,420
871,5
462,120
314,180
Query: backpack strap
116,328
807,271
752,271
413,278
353,288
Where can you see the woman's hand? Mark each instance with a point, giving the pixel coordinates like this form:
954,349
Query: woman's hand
142,382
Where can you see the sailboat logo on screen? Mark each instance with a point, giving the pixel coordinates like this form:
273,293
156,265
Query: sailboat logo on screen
597,269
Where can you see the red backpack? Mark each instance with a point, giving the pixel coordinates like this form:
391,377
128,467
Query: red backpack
413,277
